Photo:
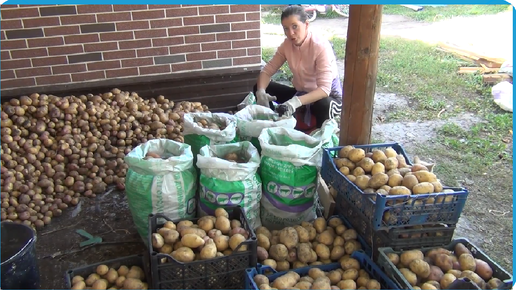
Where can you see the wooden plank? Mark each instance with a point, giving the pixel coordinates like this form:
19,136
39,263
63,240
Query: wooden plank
491,62
496,78
325,198
472,70
361,64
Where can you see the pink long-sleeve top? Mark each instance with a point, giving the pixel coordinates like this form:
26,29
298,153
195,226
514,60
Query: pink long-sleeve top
313,64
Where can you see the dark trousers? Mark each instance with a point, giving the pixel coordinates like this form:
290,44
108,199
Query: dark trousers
324,109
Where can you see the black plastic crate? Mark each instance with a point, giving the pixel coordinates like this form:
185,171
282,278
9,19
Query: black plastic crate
392,271
365,263
226,272
134,260
412,210
398,238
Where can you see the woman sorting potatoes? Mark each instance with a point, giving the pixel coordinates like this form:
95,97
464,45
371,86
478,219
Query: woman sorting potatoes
317,88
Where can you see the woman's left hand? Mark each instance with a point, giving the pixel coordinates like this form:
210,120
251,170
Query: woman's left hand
289,107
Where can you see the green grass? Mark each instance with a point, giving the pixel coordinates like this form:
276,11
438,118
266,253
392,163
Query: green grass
273,16
431,14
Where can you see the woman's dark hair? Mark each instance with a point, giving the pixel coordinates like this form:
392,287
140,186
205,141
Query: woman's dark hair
295,10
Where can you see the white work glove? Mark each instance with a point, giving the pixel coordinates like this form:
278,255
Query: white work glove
288,108
264,99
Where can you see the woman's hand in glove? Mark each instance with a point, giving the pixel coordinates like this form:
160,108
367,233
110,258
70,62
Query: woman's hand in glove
263,99
288,108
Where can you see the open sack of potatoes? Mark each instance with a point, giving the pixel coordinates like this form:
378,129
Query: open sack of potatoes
210,237
202,129
160,169
229,177
252,119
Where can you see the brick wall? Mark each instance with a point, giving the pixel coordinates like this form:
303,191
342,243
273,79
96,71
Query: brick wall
52,45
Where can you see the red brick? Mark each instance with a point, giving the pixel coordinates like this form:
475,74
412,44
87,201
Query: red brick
201,56
103,65
29,53
160,23
64,50
113,17
40,22
123,72
254,51
7,74
199,38
135,44
82,38
45,42
7,6
2,35
253,16
183,30
69,68
15,63
253,34
229,18
246,43
120,54
20,13
5,55
216,45
51,80
231,53
247,60
168,41
150,14
162,6
217,9
244,8
138,62
187,66
94,8
245,26
11,24
198,20
129,7
14,44
185,48
132,25
155,69
32,72
231,35
44,61
17,83
111,36
62,30
150,33
103,46
180,12
152,51
78,19
88,76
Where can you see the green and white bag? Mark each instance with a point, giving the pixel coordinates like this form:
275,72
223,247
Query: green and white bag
197,136
165,186
289,168
252,119
328,134
224,183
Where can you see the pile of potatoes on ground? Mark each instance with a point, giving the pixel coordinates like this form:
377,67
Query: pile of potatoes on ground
56,149
316,243
211,237
348,276
104,277
439,267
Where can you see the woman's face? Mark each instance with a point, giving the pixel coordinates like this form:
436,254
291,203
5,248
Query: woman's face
294,29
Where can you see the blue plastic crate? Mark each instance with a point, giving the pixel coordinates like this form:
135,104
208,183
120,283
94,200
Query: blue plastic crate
393,272
421,209
365,263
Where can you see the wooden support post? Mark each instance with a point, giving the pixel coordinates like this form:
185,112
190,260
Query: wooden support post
361,65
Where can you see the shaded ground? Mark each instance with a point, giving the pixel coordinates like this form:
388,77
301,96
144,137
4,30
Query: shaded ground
106,216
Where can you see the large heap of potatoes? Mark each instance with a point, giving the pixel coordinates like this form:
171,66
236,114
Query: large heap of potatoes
104,277
439,267
57,149
211,237
316,243
348,276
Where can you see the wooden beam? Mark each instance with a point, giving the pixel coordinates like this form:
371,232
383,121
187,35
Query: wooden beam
361,63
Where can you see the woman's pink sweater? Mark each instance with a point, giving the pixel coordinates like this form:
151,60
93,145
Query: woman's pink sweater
313,64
